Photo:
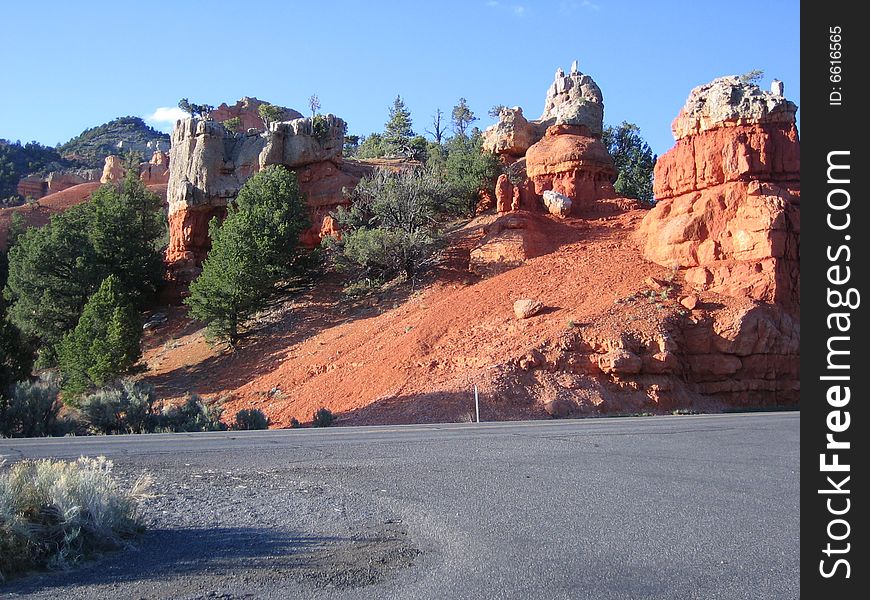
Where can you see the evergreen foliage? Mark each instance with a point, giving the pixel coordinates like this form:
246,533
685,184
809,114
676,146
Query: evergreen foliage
53,270
17,161
254,248
398,130
104,343
634,161
391,227
462,117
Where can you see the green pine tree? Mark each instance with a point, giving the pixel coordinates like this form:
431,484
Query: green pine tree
252,250
105,342
53,270
398,130
633,159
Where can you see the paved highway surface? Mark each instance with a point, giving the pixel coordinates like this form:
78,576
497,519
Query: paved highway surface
682,507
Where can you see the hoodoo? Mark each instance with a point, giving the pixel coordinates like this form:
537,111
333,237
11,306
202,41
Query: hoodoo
728,194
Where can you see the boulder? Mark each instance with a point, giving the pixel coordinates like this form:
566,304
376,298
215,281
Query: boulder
557,204
525,308
512,135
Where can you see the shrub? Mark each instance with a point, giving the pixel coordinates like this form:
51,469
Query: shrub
193,414
126,407
32,409
323,417
390,229
55,513
294,423
251,418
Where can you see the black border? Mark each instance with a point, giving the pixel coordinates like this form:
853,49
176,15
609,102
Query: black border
826,128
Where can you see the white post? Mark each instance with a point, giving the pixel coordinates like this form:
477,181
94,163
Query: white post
476,404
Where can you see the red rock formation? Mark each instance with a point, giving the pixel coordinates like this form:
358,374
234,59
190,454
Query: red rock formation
155,171
324,185
767,152
31,187
570,161
728,195
504,192
188,233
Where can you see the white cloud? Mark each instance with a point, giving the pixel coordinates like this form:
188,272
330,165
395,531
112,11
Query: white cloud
517,9
166,115
566,7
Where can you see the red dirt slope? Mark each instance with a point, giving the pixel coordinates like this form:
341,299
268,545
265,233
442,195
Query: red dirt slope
418,360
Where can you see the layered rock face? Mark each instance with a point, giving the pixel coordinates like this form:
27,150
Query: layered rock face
247,111
728,194
560,152
210,165
36,186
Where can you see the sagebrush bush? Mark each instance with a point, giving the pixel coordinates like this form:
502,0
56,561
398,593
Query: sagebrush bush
32,409
251,418
193,414
126,407
323,417
55,513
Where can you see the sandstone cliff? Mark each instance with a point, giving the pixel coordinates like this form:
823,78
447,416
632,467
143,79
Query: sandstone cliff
210,165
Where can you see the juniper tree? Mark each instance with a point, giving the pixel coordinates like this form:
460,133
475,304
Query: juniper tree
252,250
105,342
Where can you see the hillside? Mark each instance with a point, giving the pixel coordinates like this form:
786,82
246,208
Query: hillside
395,359
124,134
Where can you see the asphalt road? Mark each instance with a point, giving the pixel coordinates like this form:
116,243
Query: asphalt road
682,507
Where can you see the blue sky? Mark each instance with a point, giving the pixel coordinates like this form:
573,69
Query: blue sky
78,64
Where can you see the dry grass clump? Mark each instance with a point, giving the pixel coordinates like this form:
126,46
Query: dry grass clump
55,513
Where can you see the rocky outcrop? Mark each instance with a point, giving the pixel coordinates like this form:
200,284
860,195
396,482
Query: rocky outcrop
113,170
511,136
569,161
247,111
574,99
156,170
210,165
744,355
732,101
728,194
33,187
561,152
39,186
152,172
